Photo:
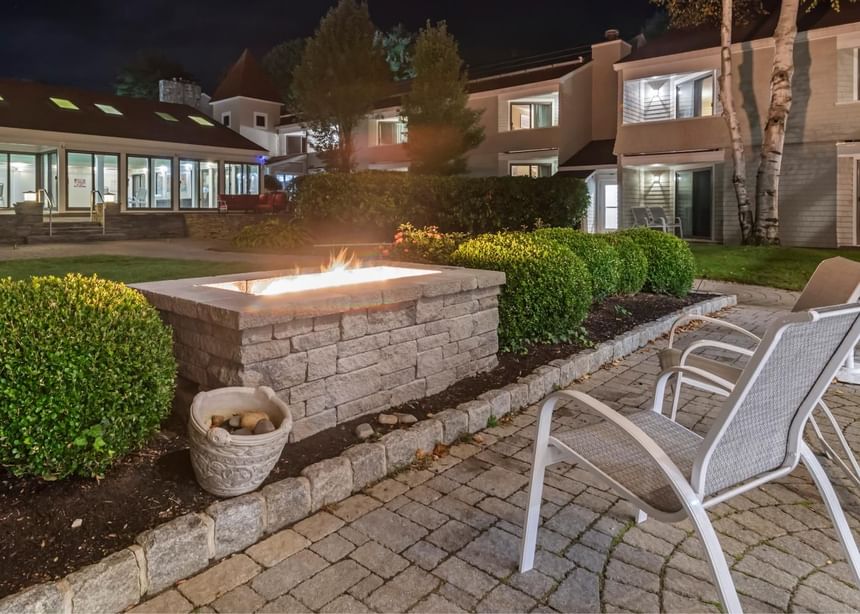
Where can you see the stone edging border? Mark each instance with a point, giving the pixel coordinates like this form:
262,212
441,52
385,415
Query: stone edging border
177,549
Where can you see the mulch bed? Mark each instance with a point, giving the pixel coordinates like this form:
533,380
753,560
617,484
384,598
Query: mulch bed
157,484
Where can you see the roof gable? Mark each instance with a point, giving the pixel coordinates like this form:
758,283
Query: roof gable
247,78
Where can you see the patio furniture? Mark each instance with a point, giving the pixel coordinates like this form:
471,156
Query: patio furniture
659,216
671,473
642,217
835,281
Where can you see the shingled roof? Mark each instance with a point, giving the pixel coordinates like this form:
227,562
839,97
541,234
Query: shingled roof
28,105
706,37
247,78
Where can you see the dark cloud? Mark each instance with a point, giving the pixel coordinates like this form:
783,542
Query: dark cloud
85,42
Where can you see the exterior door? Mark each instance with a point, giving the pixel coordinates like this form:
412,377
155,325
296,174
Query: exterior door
607,203
694,202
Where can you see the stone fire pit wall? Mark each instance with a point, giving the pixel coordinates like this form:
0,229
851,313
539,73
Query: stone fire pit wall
339,353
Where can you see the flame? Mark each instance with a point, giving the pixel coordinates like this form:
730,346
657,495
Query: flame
341,261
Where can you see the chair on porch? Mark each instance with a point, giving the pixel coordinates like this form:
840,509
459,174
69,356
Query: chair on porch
835,281
642,217
659,216
672,473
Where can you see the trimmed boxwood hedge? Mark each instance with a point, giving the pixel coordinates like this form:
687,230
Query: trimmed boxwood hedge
671,266
599,256
372,204
633,267
548,288
86,374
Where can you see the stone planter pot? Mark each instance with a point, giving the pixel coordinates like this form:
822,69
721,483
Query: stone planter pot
228,465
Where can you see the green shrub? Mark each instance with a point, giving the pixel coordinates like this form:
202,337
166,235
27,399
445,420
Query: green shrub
548,288
86,374
423,244
371,204
272,233
601,258
671,267
633,264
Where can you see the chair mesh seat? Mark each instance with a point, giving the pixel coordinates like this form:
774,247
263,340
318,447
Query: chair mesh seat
671,357
612,451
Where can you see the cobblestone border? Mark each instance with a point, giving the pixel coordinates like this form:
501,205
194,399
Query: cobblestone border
162,556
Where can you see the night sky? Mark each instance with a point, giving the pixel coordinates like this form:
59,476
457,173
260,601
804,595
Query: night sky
85,42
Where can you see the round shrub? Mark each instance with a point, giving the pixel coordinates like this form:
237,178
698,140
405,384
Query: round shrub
86,374
633,267
599,256
548,288
671,267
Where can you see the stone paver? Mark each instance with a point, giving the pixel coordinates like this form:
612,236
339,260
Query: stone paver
445,538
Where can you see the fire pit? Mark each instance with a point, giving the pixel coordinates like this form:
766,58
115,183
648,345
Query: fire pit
334,344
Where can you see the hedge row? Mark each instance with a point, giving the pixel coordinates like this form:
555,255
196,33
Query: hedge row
554,274
373,203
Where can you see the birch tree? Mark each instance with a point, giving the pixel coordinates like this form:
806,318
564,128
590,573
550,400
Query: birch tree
696,12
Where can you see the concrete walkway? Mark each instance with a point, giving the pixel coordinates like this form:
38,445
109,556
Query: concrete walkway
444,538
758,296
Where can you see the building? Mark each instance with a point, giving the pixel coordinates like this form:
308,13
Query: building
81,147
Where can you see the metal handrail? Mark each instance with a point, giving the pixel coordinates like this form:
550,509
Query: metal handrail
50,211
100,218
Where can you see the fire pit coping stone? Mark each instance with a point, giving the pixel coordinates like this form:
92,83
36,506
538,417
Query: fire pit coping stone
193,540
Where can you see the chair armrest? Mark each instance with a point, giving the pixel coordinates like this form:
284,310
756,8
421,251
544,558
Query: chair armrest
706,343
692,318
637,436
678,372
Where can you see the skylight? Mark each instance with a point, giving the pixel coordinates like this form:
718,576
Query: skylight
64,103
2,99
199,119
166,116
109,109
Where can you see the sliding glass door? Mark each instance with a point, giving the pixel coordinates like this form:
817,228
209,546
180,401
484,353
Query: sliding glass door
694,199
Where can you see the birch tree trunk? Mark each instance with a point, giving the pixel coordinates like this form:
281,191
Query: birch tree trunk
739,167
773,139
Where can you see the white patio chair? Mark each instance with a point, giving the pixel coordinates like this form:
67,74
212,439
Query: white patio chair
671,473
659,216
642,217
835,281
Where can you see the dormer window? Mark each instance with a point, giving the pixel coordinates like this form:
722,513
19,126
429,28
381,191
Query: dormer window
261,120
225,119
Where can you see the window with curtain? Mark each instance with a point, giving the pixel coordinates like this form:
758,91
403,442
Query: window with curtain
528,115
534,170
198,184
241,178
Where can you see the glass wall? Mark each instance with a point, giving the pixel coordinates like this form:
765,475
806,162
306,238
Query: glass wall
198,184
87,172
150,183
18,174
50,176
5,200
241,178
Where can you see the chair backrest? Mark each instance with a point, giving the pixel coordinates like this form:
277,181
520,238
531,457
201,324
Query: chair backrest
657,213
760,426
640,216
836,281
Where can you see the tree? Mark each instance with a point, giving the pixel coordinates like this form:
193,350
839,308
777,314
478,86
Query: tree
764,229
139,78
442,128
340,76
398,44
280,62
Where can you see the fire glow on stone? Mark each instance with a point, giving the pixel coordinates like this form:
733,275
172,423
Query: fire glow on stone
332,278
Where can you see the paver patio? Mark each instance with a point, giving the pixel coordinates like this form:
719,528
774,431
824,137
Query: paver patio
444,538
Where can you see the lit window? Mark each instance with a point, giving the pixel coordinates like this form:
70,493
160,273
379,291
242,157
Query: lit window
199,119
65,104
166,116
110,110
391,132
531,170
528,115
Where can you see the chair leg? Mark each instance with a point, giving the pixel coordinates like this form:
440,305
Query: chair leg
834,508
853,471
528,543
641,516
716,558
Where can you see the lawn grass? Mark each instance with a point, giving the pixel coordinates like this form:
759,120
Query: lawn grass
128,269
778,267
